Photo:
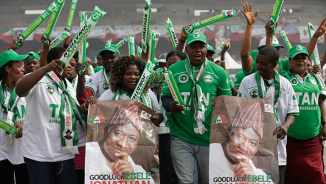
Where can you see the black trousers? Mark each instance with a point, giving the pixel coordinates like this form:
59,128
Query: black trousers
8,171
167,173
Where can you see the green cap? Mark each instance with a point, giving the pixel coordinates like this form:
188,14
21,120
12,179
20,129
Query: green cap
32,55
10,55
210,48
196,36
298,49
110,47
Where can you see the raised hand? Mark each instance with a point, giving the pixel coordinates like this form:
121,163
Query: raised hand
247,12
321,29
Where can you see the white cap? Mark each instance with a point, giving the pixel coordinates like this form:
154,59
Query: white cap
275,42
162,61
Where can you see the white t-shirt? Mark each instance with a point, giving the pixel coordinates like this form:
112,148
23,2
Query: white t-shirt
287,105
97,164
220,166
109,94
12,152
98,83
42,133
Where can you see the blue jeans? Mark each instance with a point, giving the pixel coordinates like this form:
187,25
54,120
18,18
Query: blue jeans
190,161
62,172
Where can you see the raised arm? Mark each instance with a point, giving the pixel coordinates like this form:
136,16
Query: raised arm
46,48
29,81
225,48
183,39
246,59
319,32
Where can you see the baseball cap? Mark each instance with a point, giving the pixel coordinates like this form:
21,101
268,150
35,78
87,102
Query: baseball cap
275,42
10,55
210,48
196,36
32,55
110,47
298,49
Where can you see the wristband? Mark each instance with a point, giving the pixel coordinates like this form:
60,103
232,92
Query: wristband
222,60
182,41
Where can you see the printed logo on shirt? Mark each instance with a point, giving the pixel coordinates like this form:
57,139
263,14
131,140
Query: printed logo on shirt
209,79
254,93
268,108
313,81
294,81
106,86
90,80
183,78
68,134
50,89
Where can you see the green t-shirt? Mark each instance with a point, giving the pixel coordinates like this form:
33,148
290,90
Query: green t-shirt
213,82
238,78
307,124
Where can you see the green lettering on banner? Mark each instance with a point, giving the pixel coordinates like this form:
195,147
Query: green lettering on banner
54,107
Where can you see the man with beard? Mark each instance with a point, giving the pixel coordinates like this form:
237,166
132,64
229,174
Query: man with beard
98,83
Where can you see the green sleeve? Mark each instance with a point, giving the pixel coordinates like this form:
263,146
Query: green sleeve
224,86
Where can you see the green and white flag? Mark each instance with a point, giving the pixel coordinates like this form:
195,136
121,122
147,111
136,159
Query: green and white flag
131,46
81,35
219,48
285,39
174,88
173,36
71,14
210,21
145,25
142,81
82,47
46,14
122,42
316,52
53,19
277,10
139,50
59,39
152,45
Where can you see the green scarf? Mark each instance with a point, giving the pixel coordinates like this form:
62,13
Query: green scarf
197,94
262,90
145,98
11,116
68,106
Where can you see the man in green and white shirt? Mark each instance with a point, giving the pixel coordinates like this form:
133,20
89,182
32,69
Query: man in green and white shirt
198,80
267,83
98,83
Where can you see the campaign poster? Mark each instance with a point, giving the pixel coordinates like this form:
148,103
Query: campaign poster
20,30
242,146
122,144
222,34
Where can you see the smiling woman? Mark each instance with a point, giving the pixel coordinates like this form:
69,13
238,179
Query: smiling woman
124,76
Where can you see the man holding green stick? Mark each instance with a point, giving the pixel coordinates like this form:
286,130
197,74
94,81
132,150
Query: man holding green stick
198,83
